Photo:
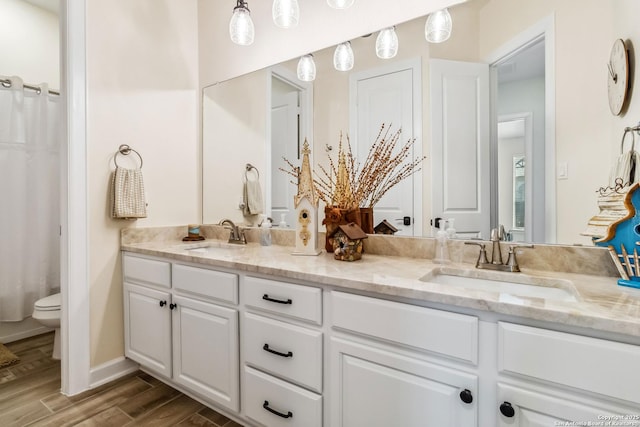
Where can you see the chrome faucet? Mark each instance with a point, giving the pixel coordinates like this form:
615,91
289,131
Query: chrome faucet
497,263
237,234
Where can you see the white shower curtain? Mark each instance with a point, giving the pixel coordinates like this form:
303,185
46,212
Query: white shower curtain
29,198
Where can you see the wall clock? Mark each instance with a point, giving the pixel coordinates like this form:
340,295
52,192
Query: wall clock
618,80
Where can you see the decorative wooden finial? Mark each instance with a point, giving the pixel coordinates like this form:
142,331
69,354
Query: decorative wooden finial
305,179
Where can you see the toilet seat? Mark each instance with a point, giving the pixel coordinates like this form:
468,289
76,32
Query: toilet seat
50,303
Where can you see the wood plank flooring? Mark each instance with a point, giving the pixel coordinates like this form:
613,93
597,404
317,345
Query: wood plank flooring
29,396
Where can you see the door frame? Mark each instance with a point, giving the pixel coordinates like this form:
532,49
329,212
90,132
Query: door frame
306,121
74,230
415,65
543,29
528,174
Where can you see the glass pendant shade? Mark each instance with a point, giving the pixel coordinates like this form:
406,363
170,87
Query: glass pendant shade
241,27
286,13
438,26
343,57
306,68
387,43
340,4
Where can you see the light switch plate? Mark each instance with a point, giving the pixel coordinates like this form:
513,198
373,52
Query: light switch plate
563,170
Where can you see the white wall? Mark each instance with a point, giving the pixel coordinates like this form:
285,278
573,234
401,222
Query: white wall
142,72
29,43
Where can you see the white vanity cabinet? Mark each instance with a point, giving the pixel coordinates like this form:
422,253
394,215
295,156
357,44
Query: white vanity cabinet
283,353
148,327
177,326
381,377
147,298
547,377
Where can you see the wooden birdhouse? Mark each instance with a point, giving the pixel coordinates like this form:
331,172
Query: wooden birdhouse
347,242
385,227
306,204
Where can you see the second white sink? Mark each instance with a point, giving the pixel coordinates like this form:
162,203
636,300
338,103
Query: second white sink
214,247
515,284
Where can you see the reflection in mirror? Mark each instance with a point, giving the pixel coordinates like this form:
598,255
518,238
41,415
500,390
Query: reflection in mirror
481,34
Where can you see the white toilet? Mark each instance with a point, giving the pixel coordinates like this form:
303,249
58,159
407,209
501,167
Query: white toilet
47,311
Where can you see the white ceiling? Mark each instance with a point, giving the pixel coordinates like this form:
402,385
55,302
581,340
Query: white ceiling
52,6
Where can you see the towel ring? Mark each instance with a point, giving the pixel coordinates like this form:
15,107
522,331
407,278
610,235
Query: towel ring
125,150
248,169
633,139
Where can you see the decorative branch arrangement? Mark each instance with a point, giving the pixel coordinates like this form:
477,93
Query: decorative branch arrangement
346,185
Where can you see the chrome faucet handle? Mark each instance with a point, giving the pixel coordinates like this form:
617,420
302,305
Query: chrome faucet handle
512,261
482,256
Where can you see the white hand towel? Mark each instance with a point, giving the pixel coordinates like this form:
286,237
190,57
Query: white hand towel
127,194
252,197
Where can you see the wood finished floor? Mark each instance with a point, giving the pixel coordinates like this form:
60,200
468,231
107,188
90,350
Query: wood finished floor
29,396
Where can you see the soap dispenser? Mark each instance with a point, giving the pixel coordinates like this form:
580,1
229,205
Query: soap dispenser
451,231
442,248
265,231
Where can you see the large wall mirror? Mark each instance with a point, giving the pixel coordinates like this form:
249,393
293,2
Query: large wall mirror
518,90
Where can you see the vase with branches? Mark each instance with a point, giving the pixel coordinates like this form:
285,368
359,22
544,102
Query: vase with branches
348,184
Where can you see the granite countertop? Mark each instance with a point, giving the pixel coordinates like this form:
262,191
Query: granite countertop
595,302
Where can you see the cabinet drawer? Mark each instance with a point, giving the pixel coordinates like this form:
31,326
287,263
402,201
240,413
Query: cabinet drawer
146,271
207,283
570,360
293,406
289,351
287,299
450,334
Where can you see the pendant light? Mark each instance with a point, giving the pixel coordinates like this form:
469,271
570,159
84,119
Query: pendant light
387,43
286,13
306,68
340,4
343,57
438,26
241,27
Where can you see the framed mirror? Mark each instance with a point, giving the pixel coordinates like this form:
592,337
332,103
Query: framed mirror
568,118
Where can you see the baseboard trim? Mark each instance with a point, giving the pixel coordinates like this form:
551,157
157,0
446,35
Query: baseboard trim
111,370
20,335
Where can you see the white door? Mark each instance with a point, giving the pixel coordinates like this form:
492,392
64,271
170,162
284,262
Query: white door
205,347
147,325
284,143
390,95
377,388
460,145
519,407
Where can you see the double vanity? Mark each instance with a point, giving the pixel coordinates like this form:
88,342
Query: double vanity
272,339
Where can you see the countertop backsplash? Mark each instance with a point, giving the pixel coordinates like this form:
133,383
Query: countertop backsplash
593,261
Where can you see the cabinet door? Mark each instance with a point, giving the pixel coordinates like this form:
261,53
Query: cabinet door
375,387
205,350
147,325
520,407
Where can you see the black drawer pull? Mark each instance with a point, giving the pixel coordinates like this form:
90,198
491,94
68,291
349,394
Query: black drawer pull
265,405
466,396
279,301
287,354
163,303
507,410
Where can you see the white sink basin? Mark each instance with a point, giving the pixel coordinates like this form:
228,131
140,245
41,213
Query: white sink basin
515,284
214,247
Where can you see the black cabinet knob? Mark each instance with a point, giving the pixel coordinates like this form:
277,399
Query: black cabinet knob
507,410
172,306
466,396
163,303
